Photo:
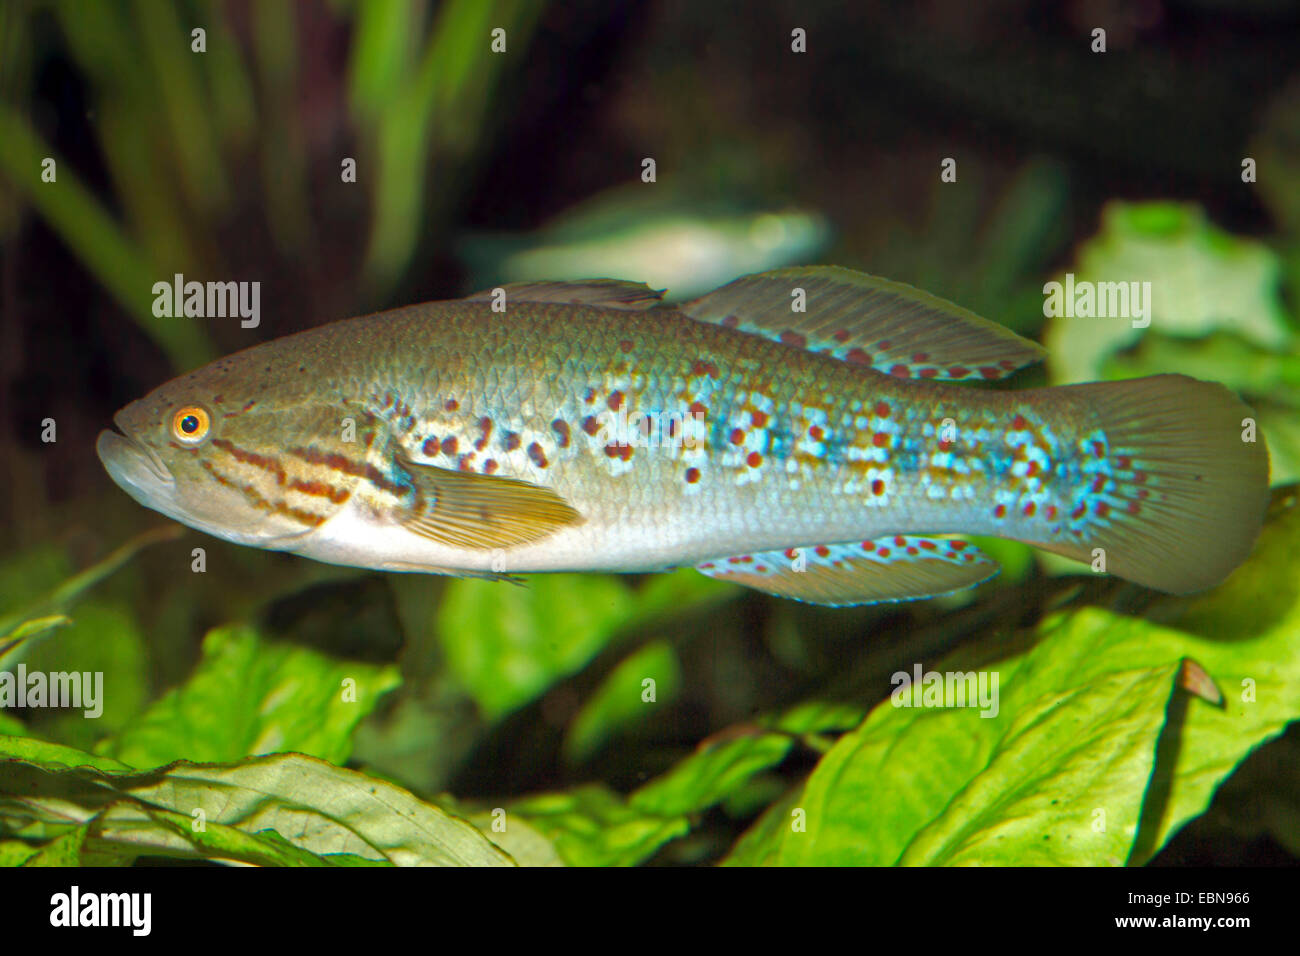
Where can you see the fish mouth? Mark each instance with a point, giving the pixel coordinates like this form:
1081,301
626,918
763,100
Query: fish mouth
130,463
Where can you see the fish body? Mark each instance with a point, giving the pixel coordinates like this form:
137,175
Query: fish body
822,455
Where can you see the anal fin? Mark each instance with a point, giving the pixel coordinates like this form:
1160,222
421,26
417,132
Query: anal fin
895,568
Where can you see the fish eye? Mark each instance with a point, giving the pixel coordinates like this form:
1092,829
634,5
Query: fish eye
190,424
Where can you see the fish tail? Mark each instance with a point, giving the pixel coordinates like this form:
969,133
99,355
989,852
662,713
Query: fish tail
1173,481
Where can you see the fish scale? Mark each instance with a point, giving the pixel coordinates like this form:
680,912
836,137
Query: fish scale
490,442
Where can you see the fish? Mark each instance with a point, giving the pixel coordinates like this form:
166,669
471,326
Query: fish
815,433
689,240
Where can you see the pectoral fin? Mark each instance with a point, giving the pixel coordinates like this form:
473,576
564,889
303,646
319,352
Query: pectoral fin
466,510
897,568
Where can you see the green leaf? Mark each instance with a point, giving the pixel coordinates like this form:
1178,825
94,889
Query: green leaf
1202,280
618,703
593,826
508,644
192,810
63,850
248,697
1065,785
104,646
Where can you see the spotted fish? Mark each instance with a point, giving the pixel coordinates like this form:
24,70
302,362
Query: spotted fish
815,433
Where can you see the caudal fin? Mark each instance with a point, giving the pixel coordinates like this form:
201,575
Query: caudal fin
1174,492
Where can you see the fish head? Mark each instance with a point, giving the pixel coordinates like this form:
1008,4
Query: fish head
235,456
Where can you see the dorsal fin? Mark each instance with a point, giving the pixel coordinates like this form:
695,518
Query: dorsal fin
606,293
865,320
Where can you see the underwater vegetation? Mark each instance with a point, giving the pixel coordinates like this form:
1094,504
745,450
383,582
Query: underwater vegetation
167,697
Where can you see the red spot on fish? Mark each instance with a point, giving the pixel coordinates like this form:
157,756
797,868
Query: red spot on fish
451,405
430,446
463,461
753,459
968,556
731,321
615,400
1133,508
590,425
868,547
561,429
1140,477
1098,483
901,371
1098,449
1102,509
816,433
1051,512
692,475
625,344
1000,511
737,437
1143,493
840,335
1032,470
928,545
1123,461
912,550
883,344
699,409
1079,511
856,356
589,395
877,486
791,337
958,371
921,357
449,445
884,552
538,456
900,540
1030,509
880,439
758,419
490,466
822,551
988,371
761,568
512,441
615,450
1008,364
882,409
707,566
485,426
1018,423
957,545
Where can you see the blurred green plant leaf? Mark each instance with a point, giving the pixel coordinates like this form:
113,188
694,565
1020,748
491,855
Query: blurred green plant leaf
1202,280
593,826
619,701
226,811
249,697
105,646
